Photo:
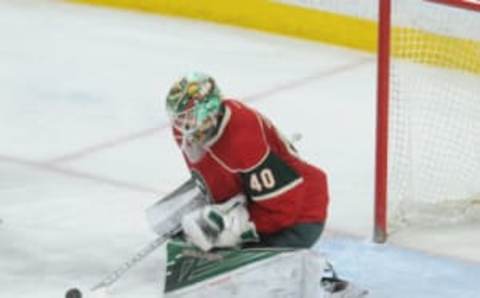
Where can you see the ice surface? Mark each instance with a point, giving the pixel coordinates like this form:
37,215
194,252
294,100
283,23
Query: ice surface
85,149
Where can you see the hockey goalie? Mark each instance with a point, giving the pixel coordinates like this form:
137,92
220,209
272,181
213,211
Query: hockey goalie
263,206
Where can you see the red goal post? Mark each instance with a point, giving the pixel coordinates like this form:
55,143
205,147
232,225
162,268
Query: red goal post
386,52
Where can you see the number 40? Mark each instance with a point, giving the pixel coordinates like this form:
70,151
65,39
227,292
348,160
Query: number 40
262,180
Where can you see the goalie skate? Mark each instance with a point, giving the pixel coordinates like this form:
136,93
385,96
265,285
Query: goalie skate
338,288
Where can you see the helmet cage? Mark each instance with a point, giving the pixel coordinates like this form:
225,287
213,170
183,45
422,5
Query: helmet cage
193,104
186,122
196,122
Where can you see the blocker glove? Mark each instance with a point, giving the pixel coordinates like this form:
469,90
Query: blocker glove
220,225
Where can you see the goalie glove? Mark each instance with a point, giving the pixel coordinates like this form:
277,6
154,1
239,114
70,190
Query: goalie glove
221,225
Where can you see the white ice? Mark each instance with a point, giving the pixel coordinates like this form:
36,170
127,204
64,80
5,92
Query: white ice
84,147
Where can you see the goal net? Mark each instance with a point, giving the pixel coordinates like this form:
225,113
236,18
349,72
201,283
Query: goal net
434,112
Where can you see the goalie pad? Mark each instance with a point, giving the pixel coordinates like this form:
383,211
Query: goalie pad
256,272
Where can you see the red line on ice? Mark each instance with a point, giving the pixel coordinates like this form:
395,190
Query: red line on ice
249,98
81,175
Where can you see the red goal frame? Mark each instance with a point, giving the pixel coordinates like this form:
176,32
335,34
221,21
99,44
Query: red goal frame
383,93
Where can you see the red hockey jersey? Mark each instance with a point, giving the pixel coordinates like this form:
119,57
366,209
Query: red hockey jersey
248,155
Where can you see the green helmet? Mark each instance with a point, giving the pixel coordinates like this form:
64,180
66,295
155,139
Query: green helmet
193,103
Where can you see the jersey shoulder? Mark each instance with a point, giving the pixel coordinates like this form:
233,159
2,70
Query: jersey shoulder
241,143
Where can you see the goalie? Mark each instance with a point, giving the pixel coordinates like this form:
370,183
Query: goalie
263,193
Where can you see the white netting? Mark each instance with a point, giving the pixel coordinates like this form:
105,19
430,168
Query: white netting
434,172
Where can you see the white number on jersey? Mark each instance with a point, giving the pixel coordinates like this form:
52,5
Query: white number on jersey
263,180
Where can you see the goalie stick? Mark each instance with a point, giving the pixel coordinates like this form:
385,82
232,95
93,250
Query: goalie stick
139,256
186,198
170,226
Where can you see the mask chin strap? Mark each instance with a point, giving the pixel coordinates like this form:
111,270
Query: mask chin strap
186,140
193,150
192,143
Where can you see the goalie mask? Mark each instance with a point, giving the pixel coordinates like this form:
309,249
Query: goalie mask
193,105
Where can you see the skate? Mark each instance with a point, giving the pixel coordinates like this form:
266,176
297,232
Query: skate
338,288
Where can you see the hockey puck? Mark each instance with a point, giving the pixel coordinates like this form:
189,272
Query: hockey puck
73,293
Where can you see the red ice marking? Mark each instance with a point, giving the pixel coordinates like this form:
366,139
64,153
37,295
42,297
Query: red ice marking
80,175
52,164
108,144
249,98
465,4
306,80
